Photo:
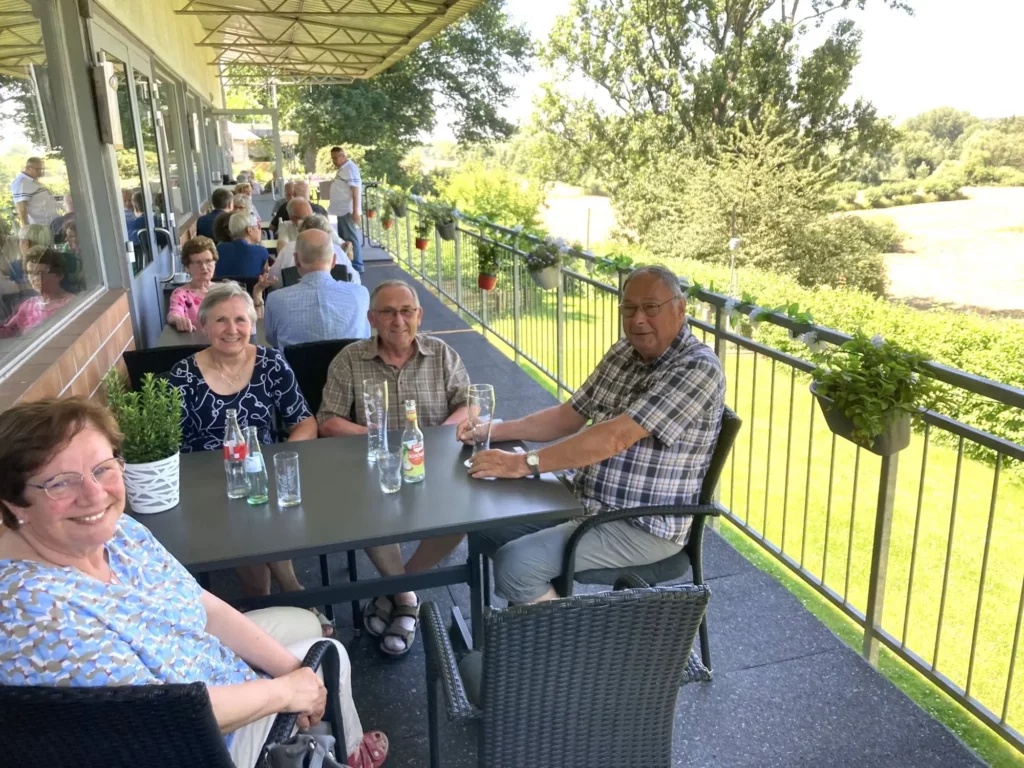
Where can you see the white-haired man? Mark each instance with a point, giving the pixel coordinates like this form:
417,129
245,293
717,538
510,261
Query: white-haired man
655,406
239,257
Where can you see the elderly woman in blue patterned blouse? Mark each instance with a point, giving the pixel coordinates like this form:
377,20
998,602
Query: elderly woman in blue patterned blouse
256,382
86,586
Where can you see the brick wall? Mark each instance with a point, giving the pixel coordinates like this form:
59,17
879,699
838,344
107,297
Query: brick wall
75,361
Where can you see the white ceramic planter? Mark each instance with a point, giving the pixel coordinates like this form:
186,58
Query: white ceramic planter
548,277
153,486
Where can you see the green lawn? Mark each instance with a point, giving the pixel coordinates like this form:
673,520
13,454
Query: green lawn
777,483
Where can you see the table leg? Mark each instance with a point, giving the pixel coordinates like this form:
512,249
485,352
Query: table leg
353,576
476,598
325,579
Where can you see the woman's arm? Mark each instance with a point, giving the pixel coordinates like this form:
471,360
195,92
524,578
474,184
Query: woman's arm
300,691
304,430
241,634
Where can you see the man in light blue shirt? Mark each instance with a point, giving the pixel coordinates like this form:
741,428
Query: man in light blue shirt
319,307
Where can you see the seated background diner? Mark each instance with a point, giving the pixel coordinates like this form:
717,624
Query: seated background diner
29,236
239,257
256,382
44,268
287,230
199,258
286,252
92,599
221,200
58,224
300,189
242,203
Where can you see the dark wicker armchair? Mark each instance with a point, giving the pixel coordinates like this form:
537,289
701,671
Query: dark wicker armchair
589,680
133,726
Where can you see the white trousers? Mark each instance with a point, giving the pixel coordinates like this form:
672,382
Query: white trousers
297,630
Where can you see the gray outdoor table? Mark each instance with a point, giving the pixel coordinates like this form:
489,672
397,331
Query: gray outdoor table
171,337
344,509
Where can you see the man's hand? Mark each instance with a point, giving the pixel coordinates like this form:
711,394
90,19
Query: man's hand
464,432
355,217
504,464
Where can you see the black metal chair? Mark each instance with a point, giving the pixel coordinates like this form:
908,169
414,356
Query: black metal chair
581,681
290,275
156,726
310,362
158,361
247,281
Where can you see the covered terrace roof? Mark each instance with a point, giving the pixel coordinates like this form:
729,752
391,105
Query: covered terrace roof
21,39
317,41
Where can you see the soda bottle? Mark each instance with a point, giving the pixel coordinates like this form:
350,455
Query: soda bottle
413,469
256,481
234,457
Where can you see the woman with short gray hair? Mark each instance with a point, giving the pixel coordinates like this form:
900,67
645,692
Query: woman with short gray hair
256,382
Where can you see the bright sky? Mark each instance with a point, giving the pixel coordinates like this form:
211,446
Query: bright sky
950,53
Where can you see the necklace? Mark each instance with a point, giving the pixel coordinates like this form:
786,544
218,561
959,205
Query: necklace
230,379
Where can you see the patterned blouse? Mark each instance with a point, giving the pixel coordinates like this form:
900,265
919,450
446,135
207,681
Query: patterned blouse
204,413
59,626
185,302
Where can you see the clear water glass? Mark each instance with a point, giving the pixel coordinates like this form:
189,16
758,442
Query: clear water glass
286,478
389,470
375,400
480,403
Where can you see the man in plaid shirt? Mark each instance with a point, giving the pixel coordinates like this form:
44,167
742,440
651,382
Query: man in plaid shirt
655,402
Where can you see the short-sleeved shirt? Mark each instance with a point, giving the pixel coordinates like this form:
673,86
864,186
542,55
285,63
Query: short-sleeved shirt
204,413
345,179
678,399
434,377
238,258
41,206
318,308
60,627
281,214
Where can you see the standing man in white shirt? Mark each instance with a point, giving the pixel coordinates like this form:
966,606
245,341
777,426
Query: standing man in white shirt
34,202
346,193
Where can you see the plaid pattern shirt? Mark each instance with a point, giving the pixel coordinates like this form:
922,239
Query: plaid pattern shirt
434,377
678,399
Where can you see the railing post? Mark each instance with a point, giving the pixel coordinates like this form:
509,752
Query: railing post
560,333
408,237
622,284
437,258
721,321
458,268
879,557
517,296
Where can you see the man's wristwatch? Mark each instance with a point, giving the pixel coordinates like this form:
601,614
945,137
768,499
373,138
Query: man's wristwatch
533,462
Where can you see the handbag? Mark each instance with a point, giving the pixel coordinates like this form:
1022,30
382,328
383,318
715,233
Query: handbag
285,749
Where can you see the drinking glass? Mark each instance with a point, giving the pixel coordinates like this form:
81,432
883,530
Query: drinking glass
375,399
480,402
389,470
286,477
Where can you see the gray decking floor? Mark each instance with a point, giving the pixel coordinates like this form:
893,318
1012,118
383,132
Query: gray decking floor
787,692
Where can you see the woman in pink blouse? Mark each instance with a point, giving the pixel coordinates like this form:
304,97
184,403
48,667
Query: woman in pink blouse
199,257
45,269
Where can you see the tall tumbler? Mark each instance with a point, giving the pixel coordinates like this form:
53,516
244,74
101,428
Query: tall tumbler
375,400
480,402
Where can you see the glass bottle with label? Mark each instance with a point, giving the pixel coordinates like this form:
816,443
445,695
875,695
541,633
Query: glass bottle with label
256,481
413,469
234,457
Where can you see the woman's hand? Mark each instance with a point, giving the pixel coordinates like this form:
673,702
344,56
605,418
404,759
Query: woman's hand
305,695
182,324
266,280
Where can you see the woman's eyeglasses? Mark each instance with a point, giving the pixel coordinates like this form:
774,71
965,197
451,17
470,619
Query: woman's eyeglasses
67,485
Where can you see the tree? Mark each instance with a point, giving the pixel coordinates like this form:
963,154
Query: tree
675,72
463,70
490,189
943,123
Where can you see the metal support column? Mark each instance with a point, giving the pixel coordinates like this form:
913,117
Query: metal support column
879,557
458,270
517,295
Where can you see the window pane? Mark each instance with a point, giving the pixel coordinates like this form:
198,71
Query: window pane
44,271
147,124
133,199
180,204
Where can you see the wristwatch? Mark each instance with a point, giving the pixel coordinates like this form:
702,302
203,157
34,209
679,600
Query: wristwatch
533,462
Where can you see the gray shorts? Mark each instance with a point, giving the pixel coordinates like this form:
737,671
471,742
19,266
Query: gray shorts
528,557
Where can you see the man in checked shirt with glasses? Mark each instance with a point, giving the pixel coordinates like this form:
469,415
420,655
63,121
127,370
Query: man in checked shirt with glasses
655,403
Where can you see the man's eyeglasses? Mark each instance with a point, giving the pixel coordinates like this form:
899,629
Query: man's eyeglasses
407,313
67,485
649,308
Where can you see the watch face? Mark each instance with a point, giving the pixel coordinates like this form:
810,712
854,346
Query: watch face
532,459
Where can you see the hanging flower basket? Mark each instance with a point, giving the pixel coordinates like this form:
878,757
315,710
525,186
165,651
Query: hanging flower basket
400,207
153,486
446,231
487,282
894,439
548,277
421,244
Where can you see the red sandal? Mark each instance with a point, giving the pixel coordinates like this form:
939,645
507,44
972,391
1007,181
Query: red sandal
371,752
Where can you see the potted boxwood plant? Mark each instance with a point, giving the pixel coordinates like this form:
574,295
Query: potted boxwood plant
385,218
544,262
422,231
398,201
151,423
488,254
868,389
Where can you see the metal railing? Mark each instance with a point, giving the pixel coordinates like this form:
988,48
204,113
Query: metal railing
927,562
